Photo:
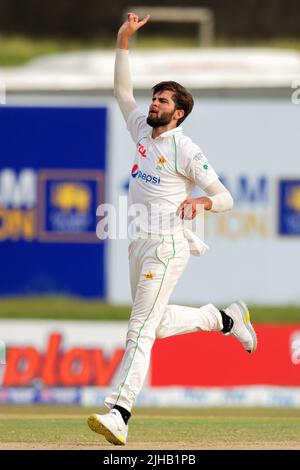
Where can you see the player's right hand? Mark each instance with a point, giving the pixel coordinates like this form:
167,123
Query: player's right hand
132,24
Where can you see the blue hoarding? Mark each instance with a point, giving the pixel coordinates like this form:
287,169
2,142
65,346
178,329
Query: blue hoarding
289,207
52,170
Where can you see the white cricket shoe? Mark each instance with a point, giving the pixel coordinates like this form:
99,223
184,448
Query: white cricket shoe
111,426
242,328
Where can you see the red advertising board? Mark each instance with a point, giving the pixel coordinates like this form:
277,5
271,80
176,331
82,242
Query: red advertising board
83,355
209,359
77,366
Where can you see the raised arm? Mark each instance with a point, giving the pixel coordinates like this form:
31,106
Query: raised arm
123,89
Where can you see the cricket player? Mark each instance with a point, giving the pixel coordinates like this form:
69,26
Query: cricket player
166,168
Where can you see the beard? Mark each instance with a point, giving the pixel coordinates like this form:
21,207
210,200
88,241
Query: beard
158,121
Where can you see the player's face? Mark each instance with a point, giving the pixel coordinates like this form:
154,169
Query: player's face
162,109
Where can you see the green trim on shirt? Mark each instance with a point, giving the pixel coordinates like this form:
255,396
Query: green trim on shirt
175,147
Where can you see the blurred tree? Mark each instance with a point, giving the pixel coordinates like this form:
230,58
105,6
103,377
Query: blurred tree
86,19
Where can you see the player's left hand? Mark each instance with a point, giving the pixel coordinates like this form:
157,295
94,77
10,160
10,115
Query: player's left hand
190,208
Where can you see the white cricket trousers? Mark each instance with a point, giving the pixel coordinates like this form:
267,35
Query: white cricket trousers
155,267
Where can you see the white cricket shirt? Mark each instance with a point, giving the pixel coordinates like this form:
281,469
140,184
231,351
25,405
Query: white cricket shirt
164,172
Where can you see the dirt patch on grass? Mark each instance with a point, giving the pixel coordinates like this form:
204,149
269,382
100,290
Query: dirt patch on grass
145,446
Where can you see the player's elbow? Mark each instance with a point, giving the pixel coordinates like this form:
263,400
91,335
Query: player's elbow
123,97
119,92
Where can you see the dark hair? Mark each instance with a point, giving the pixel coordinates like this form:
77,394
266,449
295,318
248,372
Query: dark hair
182,97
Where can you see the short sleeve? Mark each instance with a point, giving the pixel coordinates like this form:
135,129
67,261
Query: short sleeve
137,125
194,165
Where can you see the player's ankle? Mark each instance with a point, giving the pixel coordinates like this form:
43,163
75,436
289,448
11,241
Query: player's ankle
124,413
227,322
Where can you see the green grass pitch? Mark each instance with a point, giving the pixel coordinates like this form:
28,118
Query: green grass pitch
64,427
70,308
